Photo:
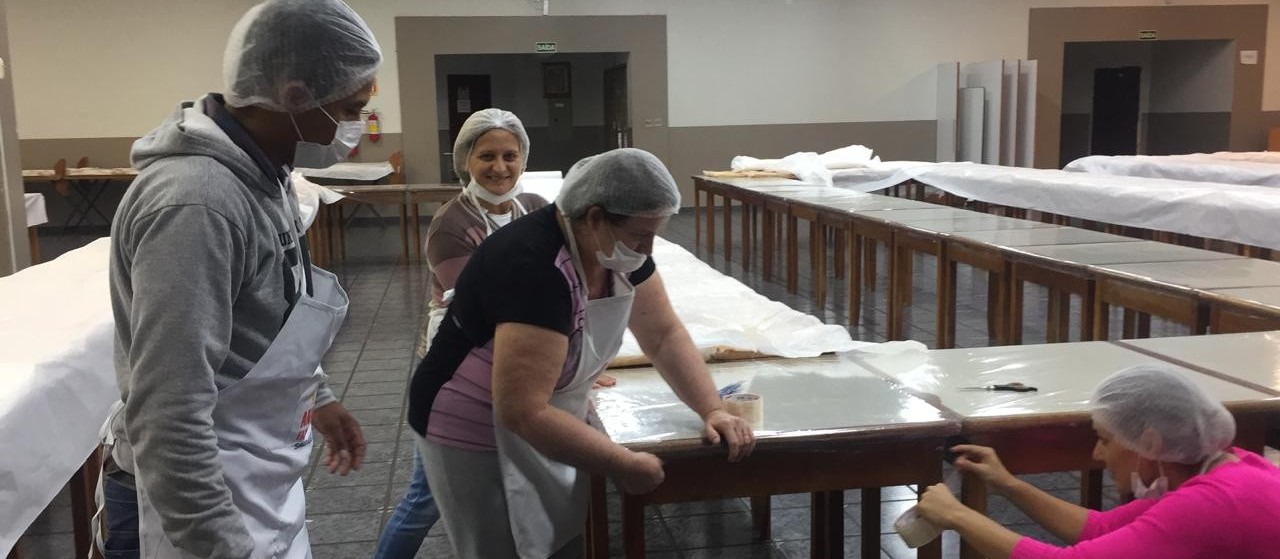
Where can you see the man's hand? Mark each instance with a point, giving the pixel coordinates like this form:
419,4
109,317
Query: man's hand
736,433
344,442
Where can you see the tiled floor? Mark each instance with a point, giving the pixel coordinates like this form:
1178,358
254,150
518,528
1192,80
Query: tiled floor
369,369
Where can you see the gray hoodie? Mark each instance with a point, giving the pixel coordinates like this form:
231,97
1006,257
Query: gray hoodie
198,293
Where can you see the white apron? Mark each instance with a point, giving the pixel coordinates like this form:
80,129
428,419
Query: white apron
263,423
546,500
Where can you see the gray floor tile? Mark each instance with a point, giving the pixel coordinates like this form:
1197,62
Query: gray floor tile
374,402
692,532
349,550
343,528
369,498
656,537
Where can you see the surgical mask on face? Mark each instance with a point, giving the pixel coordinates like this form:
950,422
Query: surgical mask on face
1155,491
623,260
310,155
476,191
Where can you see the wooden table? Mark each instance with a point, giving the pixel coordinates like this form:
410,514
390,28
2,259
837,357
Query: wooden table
1172,289
328,238
1049,430
88,183
1067,269
827,427
1246,309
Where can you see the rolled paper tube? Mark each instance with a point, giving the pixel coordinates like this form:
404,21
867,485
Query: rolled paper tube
748,406
914,530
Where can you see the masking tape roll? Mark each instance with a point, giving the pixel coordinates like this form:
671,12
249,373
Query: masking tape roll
914,530
748,406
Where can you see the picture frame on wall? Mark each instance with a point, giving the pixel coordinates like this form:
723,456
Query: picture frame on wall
556,80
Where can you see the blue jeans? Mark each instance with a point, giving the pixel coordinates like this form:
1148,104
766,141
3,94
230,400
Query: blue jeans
412,519
121,507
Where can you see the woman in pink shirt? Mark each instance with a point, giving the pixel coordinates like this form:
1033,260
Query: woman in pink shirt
1166,442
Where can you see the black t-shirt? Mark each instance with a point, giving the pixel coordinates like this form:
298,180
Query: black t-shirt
518,274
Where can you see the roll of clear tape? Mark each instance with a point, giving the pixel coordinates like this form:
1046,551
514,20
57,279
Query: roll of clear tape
914,530
748,406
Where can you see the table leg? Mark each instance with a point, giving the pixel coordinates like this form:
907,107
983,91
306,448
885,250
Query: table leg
697,216
404,232
83,487
1053,318
632,526
872,262
793,257
946,313
1101,318
33,237
417,232
1086,312
767,248
728,229
1144,325
762,516
839,239
1014,335
818,262
1129,328
855,275
597,534
748,228
711,226
973,493
1091,489
871,522
342,235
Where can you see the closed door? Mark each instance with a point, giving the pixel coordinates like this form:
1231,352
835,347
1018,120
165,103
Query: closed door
1116,93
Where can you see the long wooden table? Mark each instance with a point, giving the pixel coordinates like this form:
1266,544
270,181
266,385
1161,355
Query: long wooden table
87,183
1010,250
328,236
827,427
1050,430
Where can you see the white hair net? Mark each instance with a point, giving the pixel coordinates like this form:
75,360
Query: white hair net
1159,413
292,56
476,125
627,181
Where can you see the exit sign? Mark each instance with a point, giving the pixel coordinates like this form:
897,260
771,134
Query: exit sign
544,47
1147,35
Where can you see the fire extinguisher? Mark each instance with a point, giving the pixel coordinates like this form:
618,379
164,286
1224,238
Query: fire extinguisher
373,127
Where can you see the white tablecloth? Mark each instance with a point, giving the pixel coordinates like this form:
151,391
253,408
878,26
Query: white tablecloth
57,382
1238,213
350,171
36,214
1199,167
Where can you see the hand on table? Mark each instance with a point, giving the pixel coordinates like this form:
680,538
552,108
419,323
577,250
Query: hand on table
736,433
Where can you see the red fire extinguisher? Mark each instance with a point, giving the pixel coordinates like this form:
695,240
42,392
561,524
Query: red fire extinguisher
373,127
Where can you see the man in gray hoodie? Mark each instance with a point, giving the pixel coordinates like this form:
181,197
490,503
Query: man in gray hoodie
221,322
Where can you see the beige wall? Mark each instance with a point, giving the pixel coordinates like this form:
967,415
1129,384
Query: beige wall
729,62
15,252
1051,29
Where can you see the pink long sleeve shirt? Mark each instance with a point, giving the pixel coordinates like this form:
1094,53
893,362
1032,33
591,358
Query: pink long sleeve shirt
1231,512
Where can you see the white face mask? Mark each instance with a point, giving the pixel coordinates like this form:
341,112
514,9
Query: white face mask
476,191
1155,491
623,260
310,155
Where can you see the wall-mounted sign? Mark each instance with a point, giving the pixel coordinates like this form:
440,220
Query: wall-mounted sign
1147,35
544,47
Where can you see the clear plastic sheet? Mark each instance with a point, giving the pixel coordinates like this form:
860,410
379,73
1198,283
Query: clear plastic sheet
1042,237
57,381
36,214
1240,272
1199,168
1125,253
1269,296
1253,357
1063,374
802,397
721,313
350,171
1230,212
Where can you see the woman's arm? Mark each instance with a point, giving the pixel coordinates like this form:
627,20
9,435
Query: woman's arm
665,341
527,361
1062,519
